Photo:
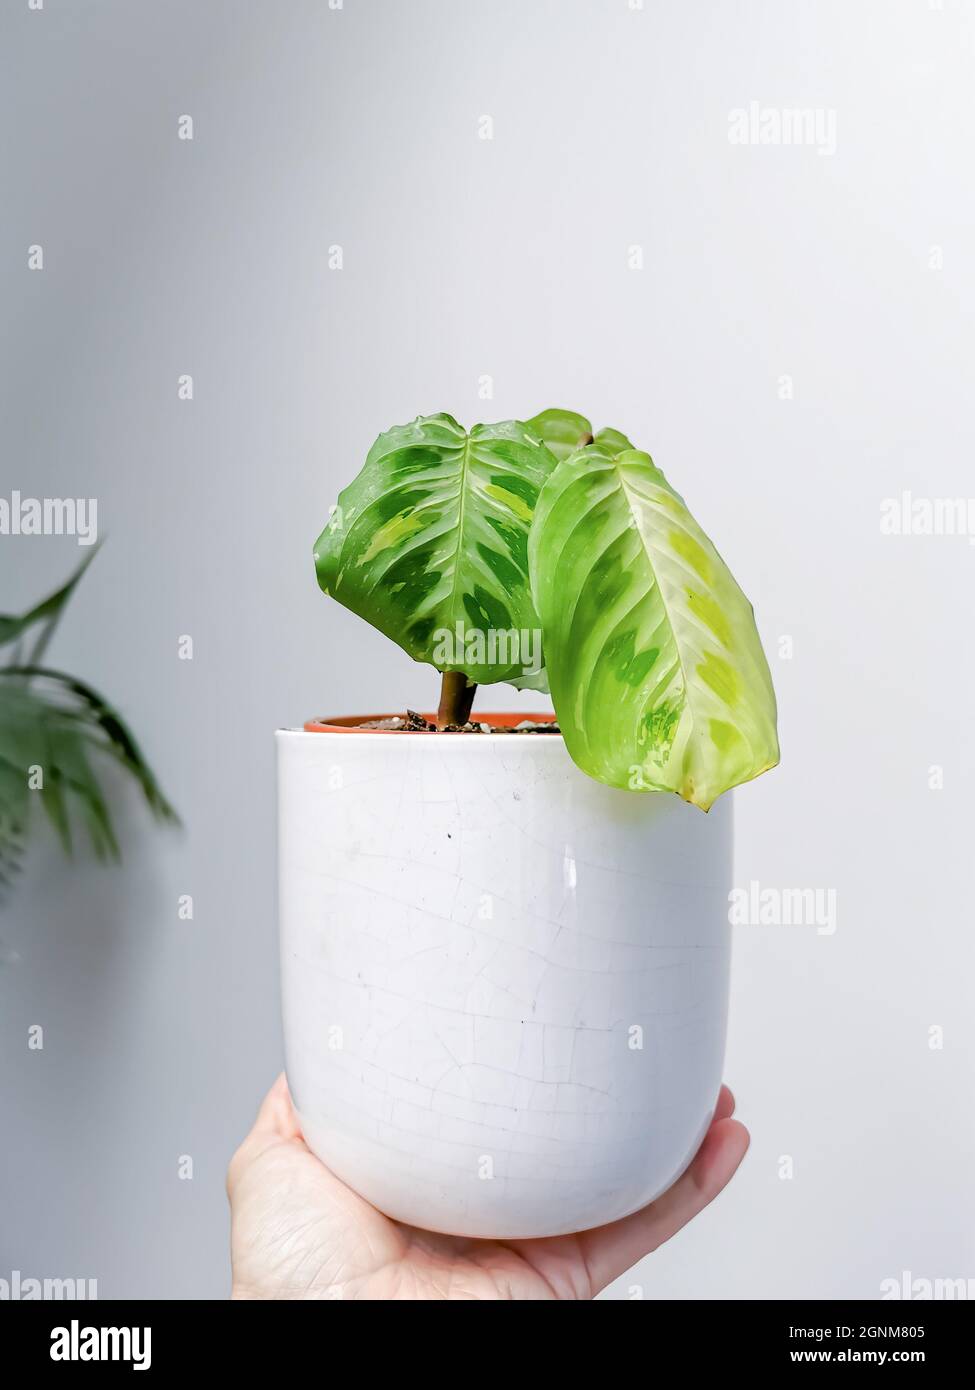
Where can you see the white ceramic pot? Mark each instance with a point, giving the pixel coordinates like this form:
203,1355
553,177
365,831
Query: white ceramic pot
505,985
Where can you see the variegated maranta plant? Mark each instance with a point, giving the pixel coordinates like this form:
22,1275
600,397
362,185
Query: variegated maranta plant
538,553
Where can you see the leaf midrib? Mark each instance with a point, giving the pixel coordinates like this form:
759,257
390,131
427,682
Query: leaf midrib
457,526
462,507
656,579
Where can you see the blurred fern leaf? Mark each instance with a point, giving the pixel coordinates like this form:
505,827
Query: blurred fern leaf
55,731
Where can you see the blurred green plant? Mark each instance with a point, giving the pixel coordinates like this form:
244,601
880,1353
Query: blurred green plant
54,732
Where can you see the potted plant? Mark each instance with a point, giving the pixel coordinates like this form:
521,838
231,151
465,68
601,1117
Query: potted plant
505,981
55,731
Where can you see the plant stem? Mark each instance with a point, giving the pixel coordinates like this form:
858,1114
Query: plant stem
456,698
584,440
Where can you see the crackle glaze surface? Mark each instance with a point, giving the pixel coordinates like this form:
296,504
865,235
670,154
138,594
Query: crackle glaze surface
505,985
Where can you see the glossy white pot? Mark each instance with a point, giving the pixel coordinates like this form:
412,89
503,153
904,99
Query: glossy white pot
505,985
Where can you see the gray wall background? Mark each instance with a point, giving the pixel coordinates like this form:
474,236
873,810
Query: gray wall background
465,257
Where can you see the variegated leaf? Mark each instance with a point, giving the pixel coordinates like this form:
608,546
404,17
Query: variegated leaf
429,544
654,661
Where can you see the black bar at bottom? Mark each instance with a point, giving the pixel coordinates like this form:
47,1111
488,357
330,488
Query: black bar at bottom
167,1339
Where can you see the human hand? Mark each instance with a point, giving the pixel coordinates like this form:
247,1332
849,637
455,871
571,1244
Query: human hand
298,1232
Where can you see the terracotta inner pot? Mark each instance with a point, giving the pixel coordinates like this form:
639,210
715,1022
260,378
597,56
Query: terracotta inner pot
349,723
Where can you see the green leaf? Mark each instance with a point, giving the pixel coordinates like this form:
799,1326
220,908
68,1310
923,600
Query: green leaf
656,668
430,544
564,432
114,736
531,680
55,723
47,612
611,441
11,854
67,773
60,725
561,430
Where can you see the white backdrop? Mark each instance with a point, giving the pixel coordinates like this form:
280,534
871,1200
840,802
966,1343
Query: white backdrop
786,326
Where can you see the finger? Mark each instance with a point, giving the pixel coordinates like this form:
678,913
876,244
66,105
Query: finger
276,1118
610,1250
725,1107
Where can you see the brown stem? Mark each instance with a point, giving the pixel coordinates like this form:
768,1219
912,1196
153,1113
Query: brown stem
456,699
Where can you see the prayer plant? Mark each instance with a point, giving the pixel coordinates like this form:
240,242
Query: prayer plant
539,553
